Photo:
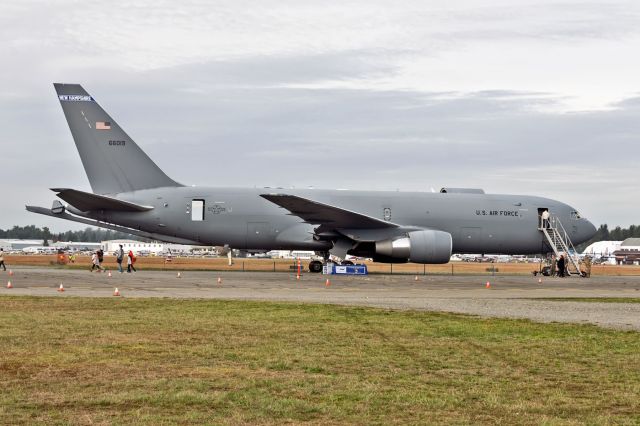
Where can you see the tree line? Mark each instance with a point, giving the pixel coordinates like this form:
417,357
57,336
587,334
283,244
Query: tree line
89,234
617,234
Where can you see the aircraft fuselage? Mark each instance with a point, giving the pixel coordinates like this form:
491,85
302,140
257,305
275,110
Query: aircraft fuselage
239,217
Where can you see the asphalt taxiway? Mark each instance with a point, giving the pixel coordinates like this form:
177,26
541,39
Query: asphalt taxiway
507,296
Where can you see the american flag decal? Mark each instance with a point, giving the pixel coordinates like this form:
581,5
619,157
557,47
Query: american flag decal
103,125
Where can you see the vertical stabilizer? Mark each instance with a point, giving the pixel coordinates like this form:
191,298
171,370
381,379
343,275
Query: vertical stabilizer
112,160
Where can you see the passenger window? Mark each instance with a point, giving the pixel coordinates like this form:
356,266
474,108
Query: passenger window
575,215
197,210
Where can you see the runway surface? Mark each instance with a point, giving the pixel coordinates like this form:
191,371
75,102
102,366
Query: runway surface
508,296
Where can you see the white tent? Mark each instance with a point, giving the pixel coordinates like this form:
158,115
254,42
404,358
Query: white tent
602,248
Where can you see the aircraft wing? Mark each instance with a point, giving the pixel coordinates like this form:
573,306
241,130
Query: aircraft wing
327,216
86,201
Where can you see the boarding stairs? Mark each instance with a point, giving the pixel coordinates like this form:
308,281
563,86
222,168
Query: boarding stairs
559,240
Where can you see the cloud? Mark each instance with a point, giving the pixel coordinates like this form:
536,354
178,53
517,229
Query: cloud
386,140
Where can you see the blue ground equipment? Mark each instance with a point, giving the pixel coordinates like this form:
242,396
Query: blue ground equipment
333,269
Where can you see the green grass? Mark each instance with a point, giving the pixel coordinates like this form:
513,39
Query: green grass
160,361
591,299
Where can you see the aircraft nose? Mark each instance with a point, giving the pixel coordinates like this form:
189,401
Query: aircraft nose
587,230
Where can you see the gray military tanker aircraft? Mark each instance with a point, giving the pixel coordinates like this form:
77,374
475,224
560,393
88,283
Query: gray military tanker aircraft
131,194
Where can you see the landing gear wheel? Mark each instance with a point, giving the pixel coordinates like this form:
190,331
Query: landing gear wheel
315,266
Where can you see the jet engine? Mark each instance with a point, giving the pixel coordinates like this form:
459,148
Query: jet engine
428,246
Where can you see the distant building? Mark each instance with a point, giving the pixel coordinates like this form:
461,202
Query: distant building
295,254
74,246
141,248
14,244
629,252
5,245
37,247
280,254
602,248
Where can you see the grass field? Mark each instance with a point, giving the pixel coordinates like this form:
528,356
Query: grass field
592,299
256,264
159,361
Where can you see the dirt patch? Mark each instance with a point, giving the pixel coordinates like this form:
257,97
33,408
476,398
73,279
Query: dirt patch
285,265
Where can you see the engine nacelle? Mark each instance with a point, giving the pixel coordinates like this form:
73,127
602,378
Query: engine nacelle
426,246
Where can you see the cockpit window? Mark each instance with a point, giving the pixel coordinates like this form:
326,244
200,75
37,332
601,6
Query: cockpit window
575,215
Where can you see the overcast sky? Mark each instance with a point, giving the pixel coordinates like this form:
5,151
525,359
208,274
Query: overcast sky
528,97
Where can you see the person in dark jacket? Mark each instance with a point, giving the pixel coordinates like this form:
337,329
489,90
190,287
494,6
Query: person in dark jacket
561,266
120,258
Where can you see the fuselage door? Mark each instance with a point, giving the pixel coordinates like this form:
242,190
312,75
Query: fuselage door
197,210
541,210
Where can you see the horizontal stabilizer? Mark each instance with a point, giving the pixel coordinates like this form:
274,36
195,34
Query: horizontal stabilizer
153,236
327,216
87,201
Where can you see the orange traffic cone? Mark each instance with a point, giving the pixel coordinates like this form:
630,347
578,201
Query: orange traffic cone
9,285
297,277
61,288
109,274
416,278
539,280
10,273
116,292
488,285
220,280
179,275
327,283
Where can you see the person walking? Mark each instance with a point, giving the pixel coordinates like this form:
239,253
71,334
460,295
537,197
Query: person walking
95,262
587,266
131,259
120,258
100,258
2,259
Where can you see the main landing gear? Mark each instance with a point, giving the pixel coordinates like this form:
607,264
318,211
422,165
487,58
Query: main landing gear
315,266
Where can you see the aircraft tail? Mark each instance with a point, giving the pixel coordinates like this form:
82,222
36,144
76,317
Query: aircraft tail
112,160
